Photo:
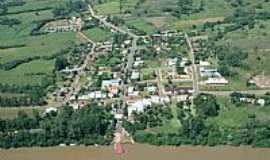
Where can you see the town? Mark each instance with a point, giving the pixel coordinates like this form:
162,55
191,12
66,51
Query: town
130,73
97,73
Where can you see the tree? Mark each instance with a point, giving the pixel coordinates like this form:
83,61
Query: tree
61,63
202,5
61,11
179,67
224,70
192,127
206,105
185,7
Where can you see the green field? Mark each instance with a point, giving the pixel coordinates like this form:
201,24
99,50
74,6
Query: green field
256,42
43,45
29,73
36,4
98,34
112,7
141,24
235,116
214,10
10,113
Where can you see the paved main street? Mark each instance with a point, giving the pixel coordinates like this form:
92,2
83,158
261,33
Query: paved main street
194,67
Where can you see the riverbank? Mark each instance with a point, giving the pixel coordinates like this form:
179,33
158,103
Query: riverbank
137,152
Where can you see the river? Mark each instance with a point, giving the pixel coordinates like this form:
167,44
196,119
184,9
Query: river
137,152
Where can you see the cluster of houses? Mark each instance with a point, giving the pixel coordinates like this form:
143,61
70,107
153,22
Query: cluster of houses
250,99
260,101
131,89
212,76
64,25
140,104
111,86
141,90
168,33
163,40
171,72
197,43
153,92
138,62
104,46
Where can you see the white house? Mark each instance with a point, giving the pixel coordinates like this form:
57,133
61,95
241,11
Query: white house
151,89
138,106
118,116
132,92
261,102
204,63
209,72
138,62
217,81
50,109
112,82
135,75
172,61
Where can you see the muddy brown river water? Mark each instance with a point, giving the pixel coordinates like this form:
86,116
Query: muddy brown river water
137,152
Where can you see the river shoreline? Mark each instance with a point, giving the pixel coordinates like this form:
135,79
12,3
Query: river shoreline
138,152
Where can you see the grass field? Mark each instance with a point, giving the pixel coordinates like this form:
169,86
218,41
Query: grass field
113,7
154,8
28,73
185,24
27,22
141,24
215,10
10,113
233,116
43,45
256,42
98,34
36,4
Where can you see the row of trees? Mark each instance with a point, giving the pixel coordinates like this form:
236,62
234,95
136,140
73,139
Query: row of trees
4,4
187,7
9,21
25,100
90,125
73,6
